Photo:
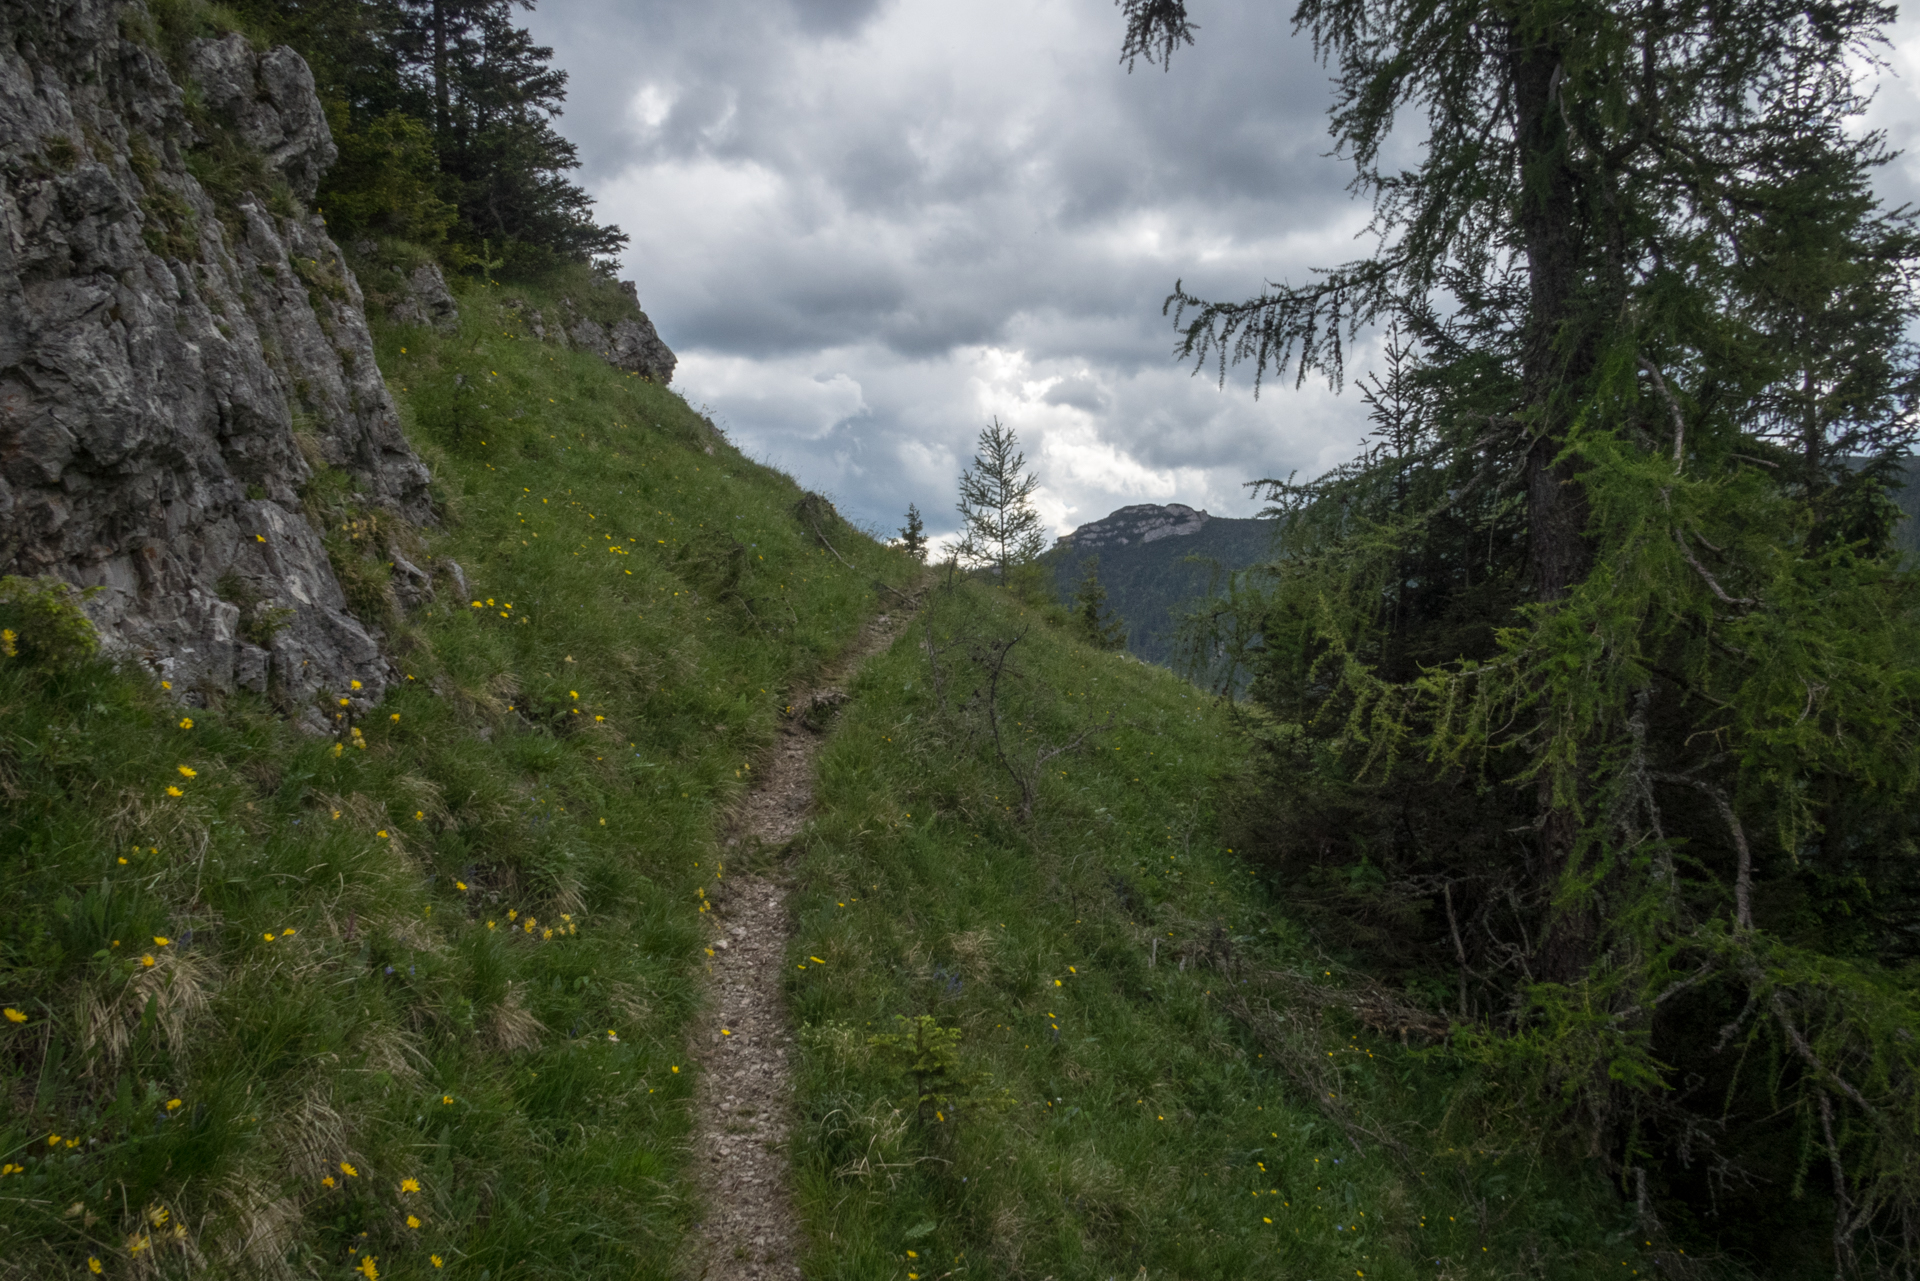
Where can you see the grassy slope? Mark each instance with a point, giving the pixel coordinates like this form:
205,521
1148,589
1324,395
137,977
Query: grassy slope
358,971
1154,1130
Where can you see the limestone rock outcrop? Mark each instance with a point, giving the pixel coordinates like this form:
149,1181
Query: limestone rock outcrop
427,301
173,367
1140,523
632,344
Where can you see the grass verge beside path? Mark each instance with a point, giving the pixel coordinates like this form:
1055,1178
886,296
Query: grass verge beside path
410,999
1093,959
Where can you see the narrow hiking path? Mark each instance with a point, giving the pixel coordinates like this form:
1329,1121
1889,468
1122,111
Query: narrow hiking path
743,1098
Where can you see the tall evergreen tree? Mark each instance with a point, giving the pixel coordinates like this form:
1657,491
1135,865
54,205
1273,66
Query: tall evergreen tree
1001,528
491,95
1097,624
443,111
1609,662
913,534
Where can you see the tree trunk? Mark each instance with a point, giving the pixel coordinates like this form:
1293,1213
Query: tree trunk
1556,360
440,96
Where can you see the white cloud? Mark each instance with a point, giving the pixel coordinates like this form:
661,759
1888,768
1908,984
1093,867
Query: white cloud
867,226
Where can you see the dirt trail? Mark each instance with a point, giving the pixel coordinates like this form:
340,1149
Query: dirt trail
744,1097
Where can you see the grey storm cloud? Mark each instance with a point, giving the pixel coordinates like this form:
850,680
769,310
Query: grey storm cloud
868,226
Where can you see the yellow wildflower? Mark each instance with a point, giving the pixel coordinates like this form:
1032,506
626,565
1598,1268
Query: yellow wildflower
353,684
413,1222
93,1265
349,1171
395,718
186,722
174,791
161,940
147,960
436,1260
446,1098
187,771
15,1016
409,1185
174,1105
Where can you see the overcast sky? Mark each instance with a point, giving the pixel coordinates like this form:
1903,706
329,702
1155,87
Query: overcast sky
868,226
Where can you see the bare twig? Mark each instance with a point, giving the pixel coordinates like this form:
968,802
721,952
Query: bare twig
829,546
1712,582
1673,408
1743,870
1842,1242
1459,948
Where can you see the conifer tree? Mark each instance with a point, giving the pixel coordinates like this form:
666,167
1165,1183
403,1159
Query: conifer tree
1098,625
1001,528
443,111
1606,658
913,534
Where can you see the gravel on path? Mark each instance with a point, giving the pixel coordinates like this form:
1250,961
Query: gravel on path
743,1095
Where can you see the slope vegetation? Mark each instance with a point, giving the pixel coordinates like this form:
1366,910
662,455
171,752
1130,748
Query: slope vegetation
1135,1065
411,998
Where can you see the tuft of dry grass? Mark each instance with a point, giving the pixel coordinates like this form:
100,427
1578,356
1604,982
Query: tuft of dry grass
512,1027
179,987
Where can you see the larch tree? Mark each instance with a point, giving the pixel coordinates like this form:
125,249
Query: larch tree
1610,669
1001,529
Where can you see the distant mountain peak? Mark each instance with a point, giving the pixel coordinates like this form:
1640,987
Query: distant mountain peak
1140,523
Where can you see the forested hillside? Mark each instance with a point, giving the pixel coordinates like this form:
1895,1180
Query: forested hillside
1152,585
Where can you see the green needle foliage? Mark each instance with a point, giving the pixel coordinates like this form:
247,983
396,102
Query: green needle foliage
1098,626
1594,683
1001,531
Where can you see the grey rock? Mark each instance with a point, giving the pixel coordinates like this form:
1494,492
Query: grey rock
591,335
427,301
158,352
269,100
633,344
1140,523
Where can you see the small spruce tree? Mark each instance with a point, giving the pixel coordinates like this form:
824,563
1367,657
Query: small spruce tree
913,534
1097,624
996,504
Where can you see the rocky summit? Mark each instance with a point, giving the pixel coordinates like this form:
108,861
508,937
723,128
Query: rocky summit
1140,523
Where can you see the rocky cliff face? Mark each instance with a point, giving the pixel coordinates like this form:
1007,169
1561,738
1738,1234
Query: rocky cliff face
1141,523
176,361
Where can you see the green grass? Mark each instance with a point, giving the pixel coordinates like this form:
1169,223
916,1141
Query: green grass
1160,1124
350,990
358,971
